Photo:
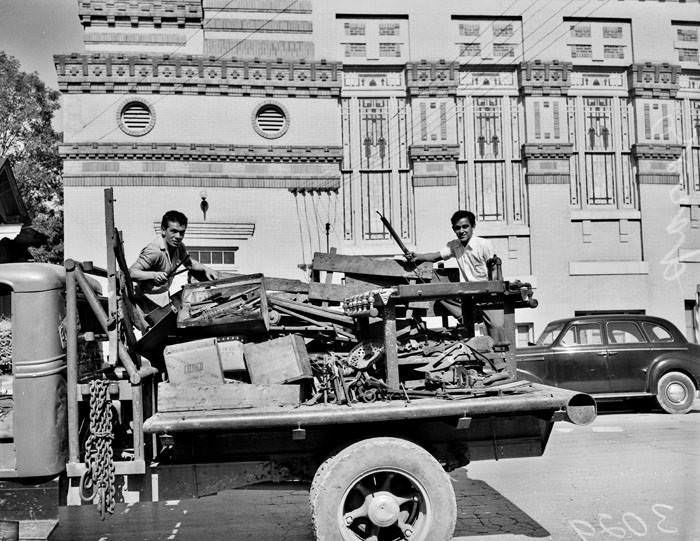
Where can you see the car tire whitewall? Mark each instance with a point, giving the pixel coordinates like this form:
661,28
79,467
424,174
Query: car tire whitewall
675,392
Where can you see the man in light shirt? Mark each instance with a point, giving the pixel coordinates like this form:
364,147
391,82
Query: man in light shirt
472,254
158,262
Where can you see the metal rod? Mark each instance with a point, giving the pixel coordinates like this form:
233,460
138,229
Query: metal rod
542,399
72,361
101,317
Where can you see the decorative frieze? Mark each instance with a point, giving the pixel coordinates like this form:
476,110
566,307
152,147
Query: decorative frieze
174,151
485,80
433,152
185,181
657,152
259,6
219,24
385,80
539,78
287,50
165,74
432,78
653,80
597,81
548,151
689,82
134,13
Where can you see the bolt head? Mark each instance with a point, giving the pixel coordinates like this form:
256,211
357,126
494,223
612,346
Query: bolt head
408,532
349,519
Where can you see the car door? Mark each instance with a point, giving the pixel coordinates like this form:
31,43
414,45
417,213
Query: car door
629,356
580,358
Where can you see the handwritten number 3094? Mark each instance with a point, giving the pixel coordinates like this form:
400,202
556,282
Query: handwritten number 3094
632,522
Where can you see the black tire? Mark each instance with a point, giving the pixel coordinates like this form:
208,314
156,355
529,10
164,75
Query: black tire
388,477
675,392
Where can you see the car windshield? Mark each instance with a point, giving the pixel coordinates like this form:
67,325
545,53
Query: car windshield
549,334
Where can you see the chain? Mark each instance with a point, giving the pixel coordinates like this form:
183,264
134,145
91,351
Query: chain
99,473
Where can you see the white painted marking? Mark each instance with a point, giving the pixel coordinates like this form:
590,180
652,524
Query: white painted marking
565,430
607,429
172,502
171,536
178,524
184,511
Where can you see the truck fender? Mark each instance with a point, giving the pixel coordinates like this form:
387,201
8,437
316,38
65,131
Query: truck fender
667,363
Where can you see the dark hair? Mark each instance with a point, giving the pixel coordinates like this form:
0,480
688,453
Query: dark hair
173,216
460,214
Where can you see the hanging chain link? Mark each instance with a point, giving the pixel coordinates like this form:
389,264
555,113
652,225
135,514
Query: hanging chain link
99,475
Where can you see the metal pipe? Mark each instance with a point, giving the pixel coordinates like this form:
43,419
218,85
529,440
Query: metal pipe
94,303
72,361
540,399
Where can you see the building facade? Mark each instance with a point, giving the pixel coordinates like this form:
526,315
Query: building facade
280,127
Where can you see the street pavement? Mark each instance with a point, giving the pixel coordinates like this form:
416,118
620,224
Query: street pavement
627,476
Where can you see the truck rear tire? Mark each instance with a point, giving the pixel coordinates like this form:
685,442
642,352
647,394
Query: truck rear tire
675,392
384,487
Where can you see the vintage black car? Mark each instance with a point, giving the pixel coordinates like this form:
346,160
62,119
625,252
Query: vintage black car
616,356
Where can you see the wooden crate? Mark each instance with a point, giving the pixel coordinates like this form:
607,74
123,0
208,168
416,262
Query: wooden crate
235,305
197,361
281,360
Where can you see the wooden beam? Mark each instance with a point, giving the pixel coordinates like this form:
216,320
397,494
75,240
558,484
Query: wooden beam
190,397
355,264
440,290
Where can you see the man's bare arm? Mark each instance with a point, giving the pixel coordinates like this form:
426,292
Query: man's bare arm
431,257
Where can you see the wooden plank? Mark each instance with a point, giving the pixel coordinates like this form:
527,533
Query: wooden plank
188,397
272,283
435,291
334,292
356,264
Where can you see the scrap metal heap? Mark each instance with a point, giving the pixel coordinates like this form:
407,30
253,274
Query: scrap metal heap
348,329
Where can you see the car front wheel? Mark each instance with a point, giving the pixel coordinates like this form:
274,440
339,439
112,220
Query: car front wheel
675,392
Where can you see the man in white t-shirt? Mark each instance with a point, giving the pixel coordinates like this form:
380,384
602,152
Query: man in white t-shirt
472,254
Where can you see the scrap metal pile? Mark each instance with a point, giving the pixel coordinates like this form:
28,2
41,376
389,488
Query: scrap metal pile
340,328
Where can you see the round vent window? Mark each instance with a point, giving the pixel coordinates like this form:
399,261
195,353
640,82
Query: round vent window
271,120
136,118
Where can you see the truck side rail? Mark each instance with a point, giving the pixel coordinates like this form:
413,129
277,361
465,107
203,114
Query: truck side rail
574,407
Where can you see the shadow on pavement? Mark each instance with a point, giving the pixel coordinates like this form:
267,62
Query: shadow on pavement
266,513
482,510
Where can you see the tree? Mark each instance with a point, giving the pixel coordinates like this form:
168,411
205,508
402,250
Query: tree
27,107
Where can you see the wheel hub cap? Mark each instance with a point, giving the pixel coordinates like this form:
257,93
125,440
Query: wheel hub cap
383,509
676,393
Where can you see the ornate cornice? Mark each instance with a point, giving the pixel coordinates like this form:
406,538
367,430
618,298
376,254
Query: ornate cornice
653,80
433,152
202,181
548,151
133,13
179,151
539,78
163,74
432,78
657,152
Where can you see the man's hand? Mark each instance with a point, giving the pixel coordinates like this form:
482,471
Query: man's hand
211,274
411,257
160,278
